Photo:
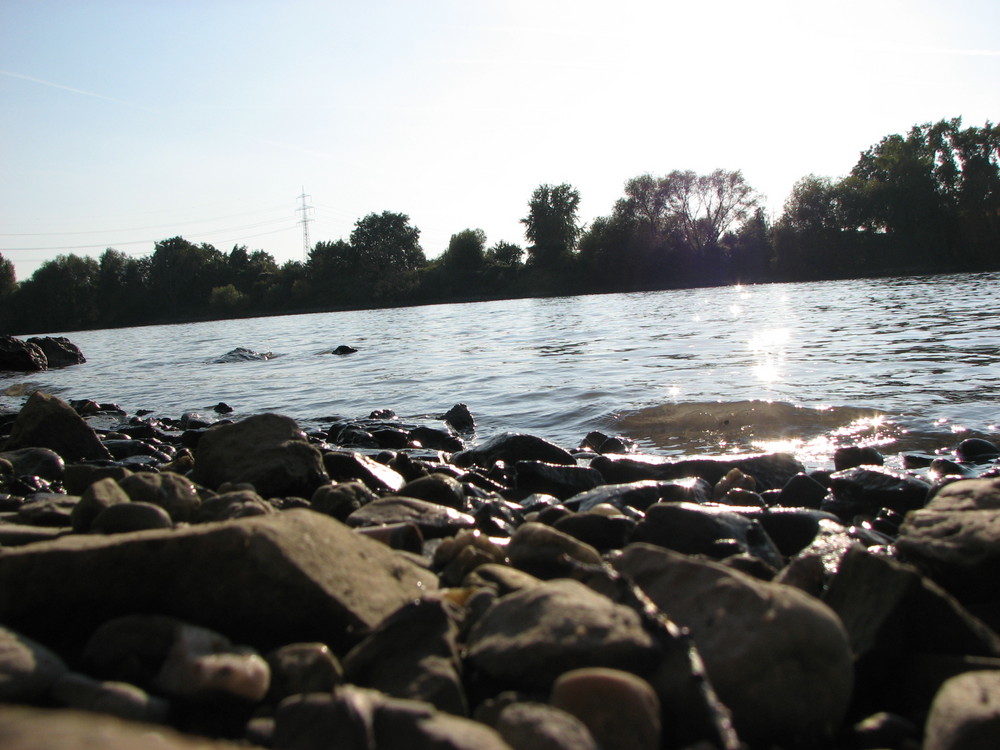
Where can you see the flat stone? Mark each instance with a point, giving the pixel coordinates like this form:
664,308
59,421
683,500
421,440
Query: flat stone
265,573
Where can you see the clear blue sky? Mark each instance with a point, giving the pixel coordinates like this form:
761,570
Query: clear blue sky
126,122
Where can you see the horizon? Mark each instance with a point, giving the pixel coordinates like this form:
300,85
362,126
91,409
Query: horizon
208,121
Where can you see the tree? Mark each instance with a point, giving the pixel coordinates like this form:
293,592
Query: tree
466,250
8,277
551,225
707,206
123,288
60,295
505,254
386,243
182,275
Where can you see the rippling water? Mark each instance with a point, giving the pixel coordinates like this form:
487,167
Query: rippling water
904,363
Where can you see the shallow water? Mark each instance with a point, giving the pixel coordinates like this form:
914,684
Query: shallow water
904,363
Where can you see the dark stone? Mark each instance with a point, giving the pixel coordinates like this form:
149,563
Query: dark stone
233,504
460,418
59,351
343,349
36,462
120,449
47,509
641,494
434,439
498,517
49,422
432,519
851,456
512,447
79,477
802,491
600,531
127,517
95,498
391,438
172,492
222,408
546,552
866,491
562,481
302,668
769,471
341,499
351,435
601,443
343,466
977,451
21,356
436,488
242,354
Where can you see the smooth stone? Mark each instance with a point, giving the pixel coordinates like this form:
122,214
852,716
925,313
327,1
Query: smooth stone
436,488
127,517
36,462
251,578
268,451
121,699
778,658
434,439
511,447
23,728
802,491
620,709
405,537
172,492
558,480
851,456
302,668
770,471
233,504
955,539
79,477
27,668
344,466
528,638
867,490
99,496
18,535
460,418
457,556
977,451
539,549
503,577
49,422
601,531
341,499
965,714
413,654
432,519
640,495
539,726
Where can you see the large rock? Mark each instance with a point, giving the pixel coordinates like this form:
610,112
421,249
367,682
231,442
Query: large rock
20,356
770,471
528,638
955,539
778,658
965,714
264,581
512,447
27,669
268,451
49,422
59,351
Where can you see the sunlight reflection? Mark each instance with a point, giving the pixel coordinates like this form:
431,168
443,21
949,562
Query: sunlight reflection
768,348
736,310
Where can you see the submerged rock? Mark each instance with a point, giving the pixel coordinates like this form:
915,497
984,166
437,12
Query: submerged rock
59,351
20,356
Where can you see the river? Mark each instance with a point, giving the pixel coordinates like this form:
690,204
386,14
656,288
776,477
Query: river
909,363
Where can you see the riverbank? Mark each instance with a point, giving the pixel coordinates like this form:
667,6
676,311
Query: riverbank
404,584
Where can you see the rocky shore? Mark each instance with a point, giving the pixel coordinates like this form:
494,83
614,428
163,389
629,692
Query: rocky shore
206,582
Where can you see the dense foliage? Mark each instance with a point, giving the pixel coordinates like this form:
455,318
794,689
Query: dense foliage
926,202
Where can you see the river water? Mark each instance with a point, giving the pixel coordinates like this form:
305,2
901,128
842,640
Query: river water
902,363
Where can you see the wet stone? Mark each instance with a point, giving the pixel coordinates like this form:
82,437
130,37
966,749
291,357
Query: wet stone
35,462
555,479
512,447
546,552
436,488
620,709
599,530
641,494
347,467
802,491
852,456
432,519
341,499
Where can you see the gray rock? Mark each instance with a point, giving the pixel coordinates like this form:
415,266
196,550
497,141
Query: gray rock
620,709
956,539
27,668
778,658
965,714
99,496
47,509
867,490
539,726
770,471
436,488
527,639
20,356
233,504
541,550
432,519
264,581
268,451
36,462
49,422
123,518
341,499
641,494
172,492
555,479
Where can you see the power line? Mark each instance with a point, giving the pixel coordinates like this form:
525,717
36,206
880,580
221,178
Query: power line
304,221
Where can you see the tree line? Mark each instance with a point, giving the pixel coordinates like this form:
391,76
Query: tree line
924,202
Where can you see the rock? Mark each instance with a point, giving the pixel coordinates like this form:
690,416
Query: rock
436,488
176,658
866,491
460,418
558,480
268,451
434,439
965,714
23,728
620,709
343,349
242,354
851,456
341,499
233,504
502,577
528,638
601,531
512,447
172,492
49,422
778,658
457,556
47,509
223,408
59,351
266,572
19,356
892,615
122,518
547,553
956,539
36,462
79,477
539,726
16,535
770,471
699,529
977,451
27,668
343,466
641,494
432,519
413,654
802,491
121,699
302,668
884,729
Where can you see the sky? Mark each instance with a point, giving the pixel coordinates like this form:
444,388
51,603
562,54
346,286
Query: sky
124,122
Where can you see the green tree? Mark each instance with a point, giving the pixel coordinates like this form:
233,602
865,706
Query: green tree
505,254
8,277
123,289
59,296
552,226
225,300
386,243
182,276
707,206
466,250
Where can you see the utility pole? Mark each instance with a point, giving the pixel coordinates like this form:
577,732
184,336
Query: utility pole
304,221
